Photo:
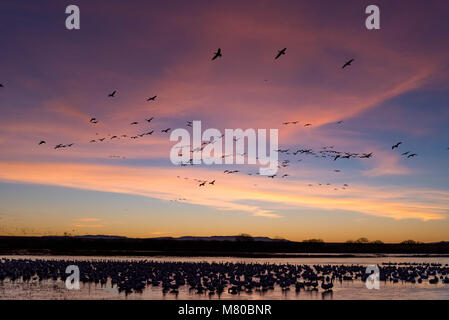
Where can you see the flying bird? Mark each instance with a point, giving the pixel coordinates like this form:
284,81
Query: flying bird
280,53
42,142
217,54
396,145
1,85
405,153
367,155
412,155
134,123
212,182
166,130
202,183
152,98
149,120
307,125
112,94
348,63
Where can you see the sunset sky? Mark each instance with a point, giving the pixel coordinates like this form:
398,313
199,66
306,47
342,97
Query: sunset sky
55,80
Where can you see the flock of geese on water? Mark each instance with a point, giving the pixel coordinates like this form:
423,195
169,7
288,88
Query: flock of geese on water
325,152
130,276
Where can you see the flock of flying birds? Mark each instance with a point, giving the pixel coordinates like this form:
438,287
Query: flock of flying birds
327,152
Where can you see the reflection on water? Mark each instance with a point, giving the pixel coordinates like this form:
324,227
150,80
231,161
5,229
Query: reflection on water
356,289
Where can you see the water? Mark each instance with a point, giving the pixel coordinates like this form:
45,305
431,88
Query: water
348,290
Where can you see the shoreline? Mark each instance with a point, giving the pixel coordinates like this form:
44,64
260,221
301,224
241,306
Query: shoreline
119,253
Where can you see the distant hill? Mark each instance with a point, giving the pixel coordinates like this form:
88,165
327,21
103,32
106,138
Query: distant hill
221,238
187,238
100,237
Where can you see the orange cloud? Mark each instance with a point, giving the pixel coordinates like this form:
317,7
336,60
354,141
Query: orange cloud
236,192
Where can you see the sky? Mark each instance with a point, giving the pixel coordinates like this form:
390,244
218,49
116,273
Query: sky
55,80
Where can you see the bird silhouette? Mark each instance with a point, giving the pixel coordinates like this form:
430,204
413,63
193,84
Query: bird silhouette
166,130
396,145
367,155
1,85
348,63
150,119
217,54
280,53
405,153
412,155
202,183
152,98
112,94
307,125
134,123
212,182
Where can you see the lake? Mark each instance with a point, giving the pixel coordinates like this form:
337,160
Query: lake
347,290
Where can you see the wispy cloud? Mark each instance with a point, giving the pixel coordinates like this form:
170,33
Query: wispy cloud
231,193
